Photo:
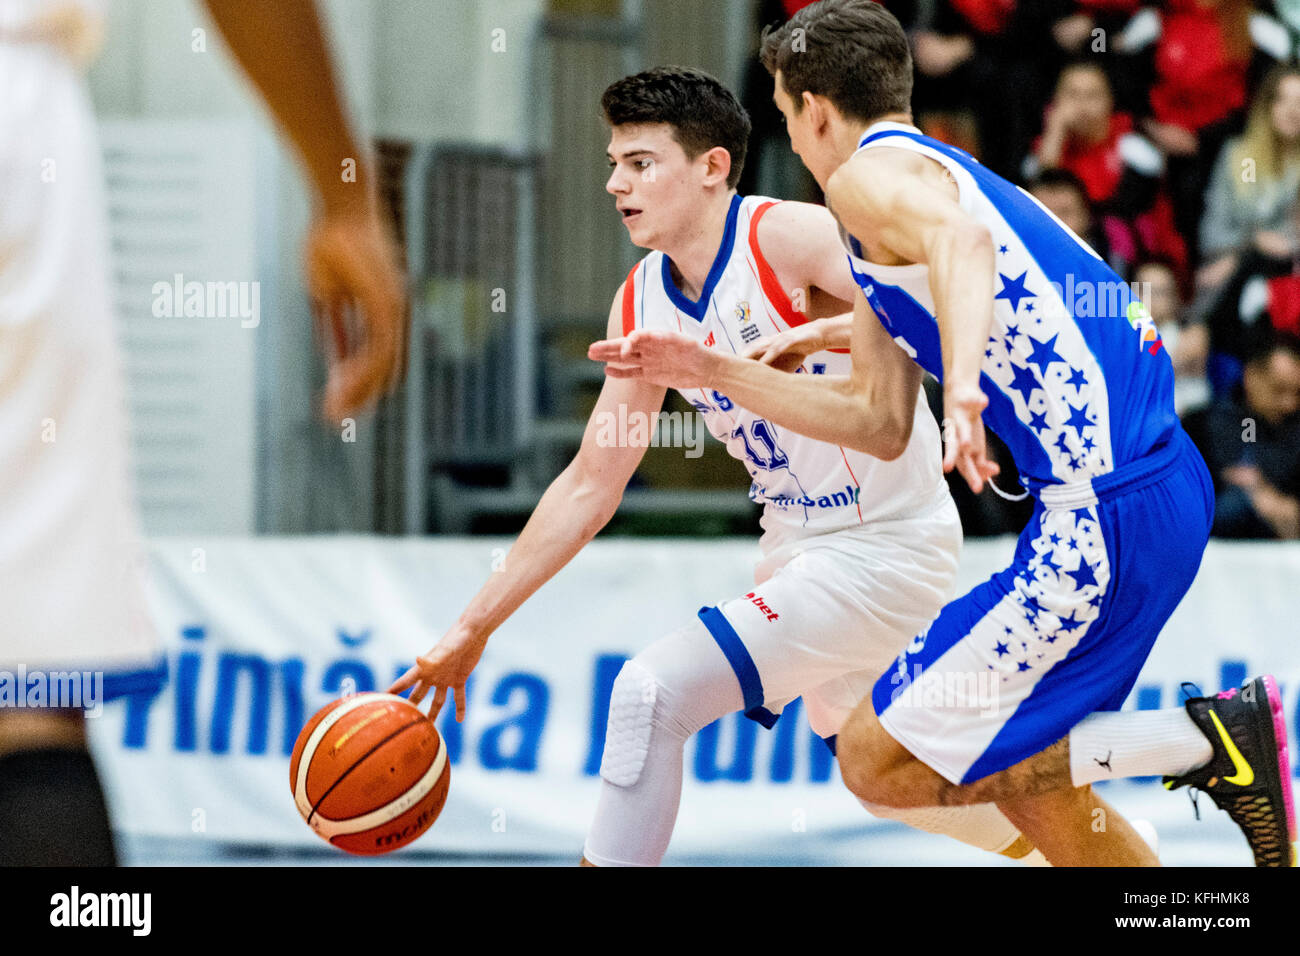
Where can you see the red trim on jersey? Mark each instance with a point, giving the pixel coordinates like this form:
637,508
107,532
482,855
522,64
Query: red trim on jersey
629,301
767,306
767,277
855,480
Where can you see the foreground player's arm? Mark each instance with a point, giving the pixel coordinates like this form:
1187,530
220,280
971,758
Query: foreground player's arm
352,262
870,410
281,47
574,508
895,197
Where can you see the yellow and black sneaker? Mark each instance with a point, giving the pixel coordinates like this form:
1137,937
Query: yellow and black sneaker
1250,772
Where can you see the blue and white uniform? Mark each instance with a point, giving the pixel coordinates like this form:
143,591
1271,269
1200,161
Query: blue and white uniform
1081,390
857,553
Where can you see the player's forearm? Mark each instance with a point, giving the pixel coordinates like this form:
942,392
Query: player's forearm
568,516
822,407
281,47
837,330
961,278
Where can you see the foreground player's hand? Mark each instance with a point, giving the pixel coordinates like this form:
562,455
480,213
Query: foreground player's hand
447,665
786,351
670,359
359,297
964,447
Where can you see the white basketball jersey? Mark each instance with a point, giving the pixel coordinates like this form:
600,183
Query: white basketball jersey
806,486
69,583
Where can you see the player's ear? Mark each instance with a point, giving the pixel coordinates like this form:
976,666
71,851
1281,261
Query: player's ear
717,165
815,107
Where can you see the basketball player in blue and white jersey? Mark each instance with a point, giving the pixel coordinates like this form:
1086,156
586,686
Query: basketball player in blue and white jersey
858,553
1031,333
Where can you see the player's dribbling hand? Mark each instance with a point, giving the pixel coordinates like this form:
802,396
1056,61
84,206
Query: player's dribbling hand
447,665
670,359
786,351
964,447
359,298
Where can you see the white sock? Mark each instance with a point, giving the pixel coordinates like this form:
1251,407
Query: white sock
1136,743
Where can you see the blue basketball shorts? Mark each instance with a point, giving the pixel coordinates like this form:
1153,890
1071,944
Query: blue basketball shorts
1009,668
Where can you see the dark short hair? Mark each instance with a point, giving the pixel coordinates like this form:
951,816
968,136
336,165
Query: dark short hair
853,52
701,111
1056,178
1262,340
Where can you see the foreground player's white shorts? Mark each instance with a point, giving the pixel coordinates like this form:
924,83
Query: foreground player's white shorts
70,593
836,612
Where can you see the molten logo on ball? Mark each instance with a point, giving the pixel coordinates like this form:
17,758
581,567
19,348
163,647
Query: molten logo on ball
369,773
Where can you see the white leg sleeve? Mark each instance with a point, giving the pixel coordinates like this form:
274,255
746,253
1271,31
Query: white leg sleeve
661,697
980,825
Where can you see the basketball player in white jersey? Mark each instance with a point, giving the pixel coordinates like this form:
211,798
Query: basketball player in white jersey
967,272
69,596
858,553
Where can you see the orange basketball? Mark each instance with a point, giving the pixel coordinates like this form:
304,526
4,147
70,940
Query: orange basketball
369,773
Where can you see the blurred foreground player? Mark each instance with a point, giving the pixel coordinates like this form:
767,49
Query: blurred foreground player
982,287
858,553
70,599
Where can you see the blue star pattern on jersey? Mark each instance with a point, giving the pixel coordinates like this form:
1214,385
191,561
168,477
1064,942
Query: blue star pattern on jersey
1050,375
1066,330
1049,388
1044,355
1051,606
1053,599
1013,290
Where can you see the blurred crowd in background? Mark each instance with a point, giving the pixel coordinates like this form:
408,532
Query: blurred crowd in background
1166,135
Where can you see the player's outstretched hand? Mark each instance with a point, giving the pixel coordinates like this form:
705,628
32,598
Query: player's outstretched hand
786,351
670,359
447,665
964,446
359,296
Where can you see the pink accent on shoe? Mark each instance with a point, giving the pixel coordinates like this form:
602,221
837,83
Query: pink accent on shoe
1283,754
1227,694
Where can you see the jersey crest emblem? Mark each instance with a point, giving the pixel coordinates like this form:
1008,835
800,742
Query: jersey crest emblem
748,327
1139,317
